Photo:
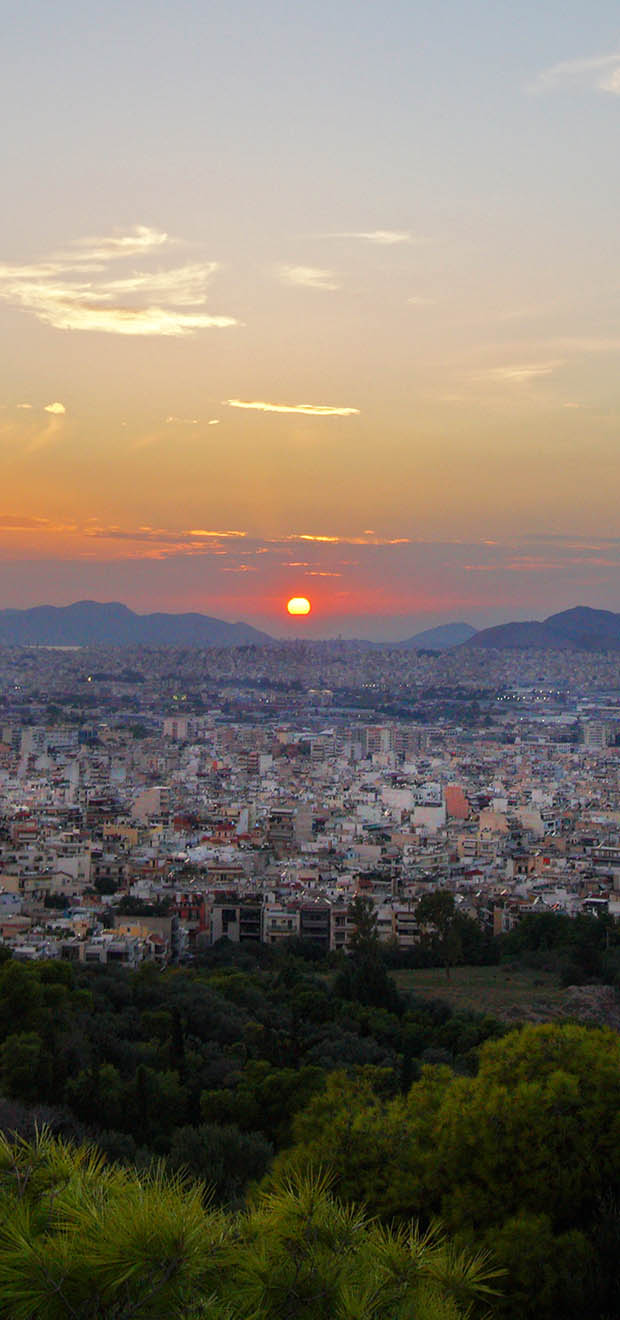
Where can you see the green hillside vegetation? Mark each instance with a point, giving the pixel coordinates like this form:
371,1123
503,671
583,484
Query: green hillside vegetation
261,1065
206,1067
523,1158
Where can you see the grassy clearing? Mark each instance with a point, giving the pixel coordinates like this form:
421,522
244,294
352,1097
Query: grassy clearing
509,993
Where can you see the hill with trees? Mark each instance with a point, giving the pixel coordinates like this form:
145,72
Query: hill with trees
261,1068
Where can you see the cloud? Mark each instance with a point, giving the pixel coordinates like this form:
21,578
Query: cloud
518,373
27,523
25,405
421,302
58,409
601,72
71,291
221,536
137,241
181,421
162,542
127,321
380,237
343,540
185,286
309,277
213,421
308,409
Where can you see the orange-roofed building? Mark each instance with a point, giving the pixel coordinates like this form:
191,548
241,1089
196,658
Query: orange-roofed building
457,804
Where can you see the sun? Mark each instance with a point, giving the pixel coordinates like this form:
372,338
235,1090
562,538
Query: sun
298,605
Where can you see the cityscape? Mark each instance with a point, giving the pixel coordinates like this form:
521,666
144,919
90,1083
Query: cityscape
250,793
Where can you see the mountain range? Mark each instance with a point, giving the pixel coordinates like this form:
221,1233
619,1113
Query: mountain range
88,623
579,629
438,639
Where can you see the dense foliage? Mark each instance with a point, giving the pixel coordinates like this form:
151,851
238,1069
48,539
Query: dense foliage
207,1066
524,1158
580,949
264,1065
79,1240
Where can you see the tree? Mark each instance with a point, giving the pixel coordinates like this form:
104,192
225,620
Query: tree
224,1158
79,1239
365,977
25,1066
437,911
364,938
526,1152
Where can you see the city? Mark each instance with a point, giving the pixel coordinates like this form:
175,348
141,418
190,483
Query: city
155,802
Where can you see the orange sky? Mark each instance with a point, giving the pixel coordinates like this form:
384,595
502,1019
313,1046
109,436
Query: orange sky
326,311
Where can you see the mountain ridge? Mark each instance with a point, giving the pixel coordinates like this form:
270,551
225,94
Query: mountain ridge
441,638
580,628
88,622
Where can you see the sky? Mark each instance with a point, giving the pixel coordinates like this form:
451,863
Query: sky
314,300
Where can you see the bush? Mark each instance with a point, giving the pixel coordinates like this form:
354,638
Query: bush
80,1240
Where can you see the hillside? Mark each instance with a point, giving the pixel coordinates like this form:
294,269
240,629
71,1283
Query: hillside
438,639
90,622
578,629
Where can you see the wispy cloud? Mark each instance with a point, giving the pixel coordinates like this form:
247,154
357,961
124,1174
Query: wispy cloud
58,409
343,540
130,321
380,237
26,523
71,290
181,421
26,406
307,409
163,542
309,277
518,373
601,72
186,286
137,241
220,536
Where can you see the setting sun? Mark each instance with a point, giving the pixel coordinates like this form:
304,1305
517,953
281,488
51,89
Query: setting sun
298,605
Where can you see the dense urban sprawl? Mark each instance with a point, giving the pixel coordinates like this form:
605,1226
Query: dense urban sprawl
153,802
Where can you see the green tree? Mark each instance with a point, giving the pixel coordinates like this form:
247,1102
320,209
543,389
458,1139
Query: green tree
263,1099
223,1157
535,1135
79,1239
25,1067
436,911
365,977
364,937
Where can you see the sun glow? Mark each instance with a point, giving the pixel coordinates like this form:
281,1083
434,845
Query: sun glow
298,605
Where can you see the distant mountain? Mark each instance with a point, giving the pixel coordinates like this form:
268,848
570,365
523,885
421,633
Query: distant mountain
579,629
88,623
438,639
